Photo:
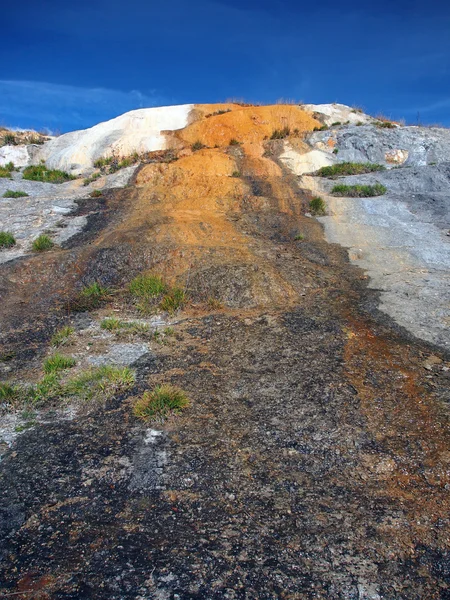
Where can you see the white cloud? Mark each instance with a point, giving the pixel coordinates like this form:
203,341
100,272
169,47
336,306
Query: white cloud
39,104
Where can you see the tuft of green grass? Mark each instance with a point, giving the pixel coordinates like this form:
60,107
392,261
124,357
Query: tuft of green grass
7,240
236,174
198,145
110,324
14,194
147,286
116,325
173,300
322,128
348,168
42,173
234,142
96,194
92,178
317,206
47,388
91,296
42,243
359,191
336,123
299,237
7,169
101,383
61,337
103,162
58,362
280,134
336,150
10,394
160,403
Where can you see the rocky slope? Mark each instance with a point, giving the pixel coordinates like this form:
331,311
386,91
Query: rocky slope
313,459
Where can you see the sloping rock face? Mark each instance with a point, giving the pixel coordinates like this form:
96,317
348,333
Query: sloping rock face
135,131
399,238
312,462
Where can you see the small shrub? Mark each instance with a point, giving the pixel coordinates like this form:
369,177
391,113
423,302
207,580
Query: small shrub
214,303
147,286
42,173
96,194
234,142
7,240
280,134
317,206
197,146
42,243
236,174
359,124
14,194
299,237
359,191
348,168
322,128
336,150
9,139
336,123
58,362
160,403
385,125
91,296
35,140
173,300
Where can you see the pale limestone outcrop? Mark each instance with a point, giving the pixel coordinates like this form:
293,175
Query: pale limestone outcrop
136,131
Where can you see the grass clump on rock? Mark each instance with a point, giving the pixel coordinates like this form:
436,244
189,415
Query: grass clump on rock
101,383
160,403
359,191
348,168
7,169
58,362
91,296
42,243
61,337
117,326
173,300
317,206
42,173
14,194
280,134
198,145
7,240
147,286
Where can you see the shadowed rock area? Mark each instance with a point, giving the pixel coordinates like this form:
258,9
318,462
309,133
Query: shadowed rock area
312,461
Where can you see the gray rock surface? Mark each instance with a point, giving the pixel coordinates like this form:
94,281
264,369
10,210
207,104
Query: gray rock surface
401,238
48,208
424,145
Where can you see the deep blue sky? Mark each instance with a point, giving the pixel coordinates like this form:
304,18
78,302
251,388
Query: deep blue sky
68,65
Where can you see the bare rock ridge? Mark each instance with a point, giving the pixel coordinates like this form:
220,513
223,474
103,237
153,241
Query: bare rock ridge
218,377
